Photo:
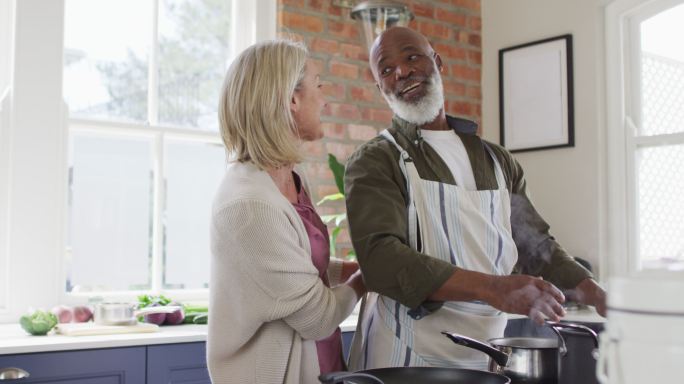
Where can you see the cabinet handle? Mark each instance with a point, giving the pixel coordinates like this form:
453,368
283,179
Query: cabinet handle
12,373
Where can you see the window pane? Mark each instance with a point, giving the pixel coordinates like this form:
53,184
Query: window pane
662,73
110,203
6,28
106,49
661,206
193,53
193,173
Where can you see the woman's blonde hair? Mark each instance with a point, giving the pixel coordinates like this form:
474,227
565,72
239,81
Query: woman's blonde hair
254,114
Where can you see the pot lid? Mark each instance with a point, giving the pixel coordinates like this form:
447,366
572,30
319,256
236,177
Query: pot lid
646,295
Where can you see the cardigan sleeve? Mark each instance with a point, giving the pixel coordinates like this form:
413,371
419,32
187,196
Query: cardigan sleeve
272,255
335,271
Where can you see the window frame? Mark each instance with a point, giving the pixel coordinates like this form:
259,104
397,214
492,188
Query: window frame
623,107
36,155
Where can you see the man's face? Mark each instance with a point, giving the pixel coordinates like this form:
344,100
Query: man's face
407,74
403,63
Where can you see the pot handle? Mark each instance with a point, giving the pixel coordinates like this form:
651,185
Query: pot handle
554,325
340,377
499,357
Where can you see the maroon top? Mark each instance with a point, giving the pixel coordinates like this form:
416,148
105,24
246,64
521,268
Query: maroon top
330,348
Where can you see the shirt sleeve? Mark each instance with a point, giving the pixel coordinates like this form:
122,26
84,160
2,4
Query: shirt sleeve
539,254
376,210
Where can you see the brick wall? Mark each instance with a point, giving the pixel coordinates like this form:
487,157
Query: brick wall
357,111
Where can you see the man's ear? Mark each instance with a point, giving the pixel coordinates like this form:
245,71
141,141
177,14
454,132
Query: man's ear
438,61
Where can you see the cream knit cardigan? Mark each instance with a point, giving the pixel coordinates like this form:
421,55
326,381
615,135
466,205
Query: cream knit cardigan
267,303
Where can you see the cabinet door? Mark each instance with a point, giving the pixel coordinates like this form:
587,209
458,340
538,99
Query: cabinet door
177,363
99,366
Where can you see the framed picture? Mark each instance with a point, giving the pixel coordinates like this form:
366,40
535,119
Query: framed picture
536,95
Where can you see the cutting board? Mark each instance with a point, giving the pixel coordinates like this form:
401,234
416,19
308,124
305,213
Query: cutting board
90,329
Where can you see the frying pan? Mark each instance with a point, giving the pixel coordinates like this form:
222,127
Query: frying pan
414,375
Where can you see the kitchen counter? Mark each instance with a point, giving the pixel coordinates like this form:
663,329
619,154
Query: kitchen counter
581,315
13,339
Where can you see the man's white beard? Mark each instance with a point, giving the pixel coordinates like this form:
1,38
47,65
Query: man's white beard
425,109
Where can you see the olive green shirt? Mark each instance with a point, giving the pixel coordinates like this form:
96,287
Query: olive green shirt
376,199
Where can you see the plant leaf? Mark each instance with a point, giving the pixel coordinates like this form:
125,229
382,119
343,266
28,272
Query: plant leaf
337,169
333,240
333,197
328,218
340,218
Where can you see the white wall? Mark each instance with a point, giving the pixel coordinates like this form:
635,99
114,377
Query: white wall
566,184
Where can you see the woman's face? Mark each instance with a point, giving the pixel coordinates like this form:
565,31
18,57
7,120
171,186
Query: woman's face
307,103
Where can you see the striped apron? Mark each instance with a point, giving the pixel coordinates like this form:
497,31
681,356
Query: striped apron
469,229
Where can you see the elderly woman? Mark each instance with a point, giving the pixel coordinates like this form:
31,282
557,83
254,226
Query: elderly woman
275,309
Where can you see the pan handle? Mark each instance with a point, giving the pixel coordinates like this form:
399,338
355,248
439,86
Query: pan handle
340,377
499,357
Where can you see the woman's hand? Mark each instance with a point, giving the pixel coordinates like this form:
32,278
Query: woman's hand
348,269
355,281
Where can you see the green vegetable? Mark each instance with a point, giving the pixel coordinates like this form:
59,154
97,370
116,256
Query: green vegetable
195,308
201,319
149,300
190,317
38,323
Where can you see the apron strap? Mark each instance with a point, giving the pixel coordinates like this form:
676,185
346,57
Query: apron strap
407,168
500,179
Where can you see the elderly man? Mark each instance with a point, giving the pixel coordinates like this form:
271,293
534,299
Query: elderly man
442,226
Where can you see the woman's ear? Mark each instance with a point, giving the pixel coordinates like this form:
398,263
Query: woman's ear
295,102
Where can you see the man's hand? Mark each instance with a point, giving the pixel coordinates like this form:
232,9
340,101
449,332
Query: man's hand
590,293
526,295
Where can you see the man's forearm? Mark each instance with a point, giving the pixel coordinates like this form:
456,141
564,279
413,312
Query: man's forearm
521,294
463,285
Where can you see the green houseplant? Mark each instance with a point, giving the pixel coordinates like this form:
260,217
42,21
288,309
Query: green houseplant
337,169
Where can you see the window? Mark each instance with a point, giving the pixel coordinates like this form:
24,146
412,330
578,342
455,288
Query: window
51,152
648,149
5,65
142,81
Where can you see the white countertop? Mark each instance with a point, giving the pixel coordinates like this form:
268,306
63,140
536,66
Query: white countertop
14,340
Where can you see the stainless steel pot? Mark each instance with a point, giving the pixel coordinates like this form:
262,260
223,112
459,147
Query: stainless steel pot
125,313
525,359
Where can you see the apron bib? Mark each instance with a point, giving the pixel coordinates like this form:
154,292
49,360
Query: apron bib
469,229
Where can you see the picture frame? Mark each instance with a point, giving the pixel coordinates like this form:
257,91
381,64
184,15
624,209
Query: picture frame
536,106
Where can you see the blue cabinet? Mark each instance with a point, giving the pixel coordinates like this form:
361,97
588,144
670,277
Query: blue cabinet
177,363
154,364
101,366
